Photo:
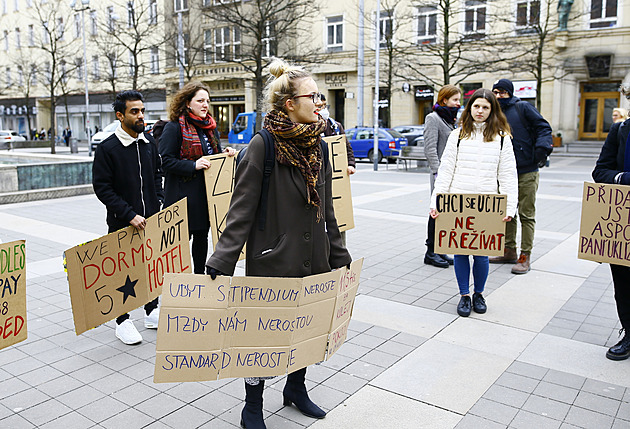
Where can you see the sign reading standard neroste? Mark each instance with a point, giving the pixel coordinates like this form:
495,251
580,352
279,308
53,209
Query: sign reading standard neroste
251,326
605,223
470,224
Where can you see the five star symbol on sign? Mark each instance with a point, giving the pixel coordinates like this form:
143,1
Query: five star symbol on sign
128,289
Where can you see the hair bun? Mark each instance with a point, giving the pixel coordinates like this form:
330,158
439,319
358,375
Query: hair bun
278,67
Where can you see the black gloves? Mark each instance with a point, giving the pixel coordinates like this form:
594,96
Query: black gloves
541,156
625,178
213,273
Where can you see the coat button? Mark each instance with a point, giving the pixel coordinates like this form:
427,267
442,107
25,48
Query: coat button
307,263
307,207
307,235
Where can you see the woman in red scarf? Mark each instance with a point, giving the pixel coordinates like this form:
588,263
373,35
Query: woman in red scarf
190,135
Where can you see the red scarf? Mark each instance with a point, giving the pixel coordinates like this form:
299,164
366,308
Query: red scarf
191,144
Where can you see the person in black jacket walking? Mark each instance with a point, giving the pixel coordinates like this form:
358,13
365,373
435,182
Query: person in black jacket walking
531,139
190,135
613,166
127,178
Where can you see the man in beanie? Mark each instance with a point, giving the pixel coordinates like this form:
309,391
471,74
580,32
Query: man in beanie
531,138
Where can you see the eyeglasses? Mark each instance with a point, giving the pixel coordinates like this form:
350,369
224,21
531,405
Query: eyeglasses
499,92
316,96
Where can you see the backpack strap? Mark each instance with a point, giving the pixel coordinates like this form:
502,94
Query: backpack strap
270,161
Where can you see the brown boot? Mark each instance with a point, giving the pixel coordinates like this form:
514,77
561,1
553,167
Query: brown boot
509,257
522,266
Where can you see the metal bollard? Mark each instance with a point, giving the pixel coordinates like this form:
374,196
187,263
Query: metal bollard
74,145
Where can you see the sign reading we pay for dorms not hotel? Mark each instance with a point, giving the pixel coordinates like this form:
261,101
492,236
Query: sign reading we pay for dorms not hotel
251,326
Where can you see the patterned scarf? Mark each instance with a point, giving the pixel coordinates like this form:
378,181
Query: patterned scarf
449,114
191,144
298,145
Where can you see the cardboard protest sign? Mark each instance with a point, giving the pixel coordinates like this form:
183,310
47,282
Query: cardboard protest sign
470,224
124,270
342,194
605,224
250,326
219,188
13,296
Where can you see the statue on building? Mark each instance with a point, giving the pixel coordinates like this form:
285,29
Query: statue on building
564,9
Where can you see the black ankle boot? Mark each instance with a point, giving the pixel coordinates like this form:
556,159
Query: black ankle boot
252,415
621,350
295,392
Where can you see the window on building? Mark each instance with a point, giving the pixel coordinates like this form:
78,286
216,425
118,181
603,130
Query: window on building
132,64
217,2
186,40
207,46
64,71
131,15
33,75
222,44
77,25
111,19
29,3
60,28
47,74
603,13
8,76
31,35
96,69
236,43
16,5
334,33
155,60
386,27
18,39
45,36
20,76
78,64
153,12
113,65
5,37
427,24
475,17
527,14
93,23
269,40
181,5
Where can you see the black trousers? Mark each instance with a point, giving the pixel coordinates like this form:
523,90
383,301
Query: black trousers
430,235
199,250
621,281
148,308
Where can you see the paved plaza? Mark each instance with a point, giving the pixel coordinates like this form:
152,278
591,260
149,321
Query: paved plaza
536,359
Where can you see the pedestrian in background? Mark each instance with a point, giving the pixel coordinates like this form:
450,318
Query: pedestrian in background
619,114
531,138
478,159
127,178
190,135
438,126
67,133
613,166
300,236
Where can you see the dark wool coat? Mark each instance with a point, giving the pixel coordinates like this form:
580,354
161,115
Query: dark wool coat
611,158
182,180
293,243
525,144
128,180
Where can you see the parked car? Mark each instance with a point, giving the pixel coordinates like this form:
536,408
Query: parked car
109,130
7,137
362,142
413,133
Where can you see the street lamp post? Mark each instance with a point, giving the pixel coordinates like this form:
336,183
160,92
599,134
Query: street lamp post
86,6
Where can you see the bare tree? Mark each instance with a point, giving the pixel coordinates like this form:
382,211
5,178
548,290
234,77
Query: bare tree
193,40
260,30
28,73
56,47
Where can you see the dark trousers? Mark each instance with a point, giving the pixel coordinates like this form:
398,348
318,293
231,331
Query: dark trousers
148,308
621,281
430,235
199,250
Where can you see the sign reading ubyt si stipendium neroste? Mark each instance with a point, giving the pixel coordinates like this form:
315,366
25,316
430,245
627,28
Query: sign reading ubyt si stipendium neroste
605,224
251,326
470,224
13,295
124,270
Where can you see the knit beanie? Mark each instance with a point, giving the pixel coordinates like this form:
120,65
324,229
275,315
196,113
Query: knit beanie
504,84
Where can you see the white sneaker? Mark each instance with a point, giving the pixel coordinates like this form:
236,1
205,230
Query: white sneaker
127,333
151,321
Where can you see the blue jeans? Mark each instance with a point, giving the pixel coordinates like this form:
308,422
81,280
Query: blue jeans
462,272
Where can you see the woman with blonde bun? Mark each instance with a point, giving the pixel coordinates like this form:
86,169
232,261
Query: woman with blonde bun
300,236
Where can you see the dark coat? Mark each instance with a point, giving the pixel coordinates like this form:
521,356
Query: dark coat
126,189
293,243
611,158
182,180
524,143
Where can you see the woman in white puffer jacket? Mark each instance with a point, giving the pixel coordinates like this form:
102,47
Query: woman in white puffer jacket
478,159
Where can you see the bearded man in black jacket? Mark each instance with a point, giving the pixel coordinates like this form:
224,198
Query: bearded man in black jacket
127,178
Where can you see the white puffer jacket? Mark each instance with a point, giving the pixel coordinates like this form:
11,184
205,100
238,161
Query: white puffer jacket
478,167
